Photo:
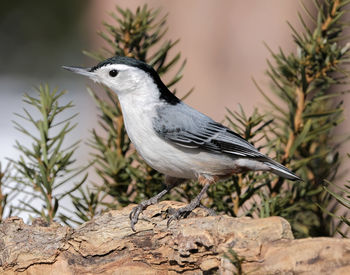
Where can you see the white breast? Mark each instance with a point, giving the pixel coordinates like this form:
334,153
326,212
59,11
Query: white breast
138,112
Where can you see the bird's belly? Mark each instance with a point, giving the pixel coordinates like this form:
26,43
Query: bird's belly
176,161
189,163
163,157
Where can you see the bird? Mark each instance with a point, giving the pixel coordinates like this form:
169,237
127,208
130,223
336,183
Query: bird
172,137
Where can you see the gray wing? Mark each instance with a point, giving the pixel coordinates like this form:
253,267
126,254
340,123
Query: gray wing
189,128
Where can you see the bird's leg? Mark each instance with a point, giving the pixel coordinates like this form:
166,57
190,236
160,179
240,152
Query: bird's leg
196,202
170,183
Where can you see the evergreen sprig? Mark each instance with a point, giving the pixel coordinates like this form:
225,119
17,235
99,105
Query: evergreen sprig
87,204
45,169
342,195
307,109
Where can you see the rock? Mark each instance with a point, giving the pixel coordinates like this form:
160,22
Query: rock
198,244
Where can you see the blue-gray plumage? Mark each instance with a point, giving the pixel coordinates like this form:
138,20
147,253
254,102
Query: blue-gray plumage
189,128
172,137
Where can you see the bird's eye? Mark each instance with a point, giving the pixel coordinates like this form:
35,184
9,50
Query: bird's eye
113,73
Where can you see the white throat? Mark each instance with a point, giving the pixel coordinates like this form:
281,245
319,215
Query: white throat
143,93
139,109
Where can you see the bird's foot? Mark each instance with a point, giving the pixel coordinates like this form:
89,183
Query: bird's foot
184,211
137,210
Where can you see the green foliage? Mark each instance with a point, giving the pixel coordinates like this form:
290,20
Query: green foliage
306,112
87,205
342,196
45,168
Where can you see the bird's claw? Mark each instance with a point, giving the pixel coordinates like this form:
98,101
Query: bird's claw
134,215
181,213
137,210
186,210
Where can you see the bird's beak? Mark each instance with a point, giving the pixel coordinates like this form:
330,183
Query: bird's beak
78,70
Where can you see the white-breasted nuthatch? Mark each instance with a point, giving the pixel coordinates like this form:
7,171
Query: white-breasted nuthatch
172,137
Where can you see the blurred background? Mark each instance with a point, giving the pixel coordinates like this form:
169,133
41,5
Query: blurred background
223,45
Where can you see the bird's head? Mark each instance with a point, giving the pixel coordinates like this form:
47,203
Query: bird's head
121,74
125,75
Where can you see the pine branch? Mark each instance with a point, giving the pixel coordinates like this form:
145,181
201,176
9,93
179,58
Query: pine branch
45,167
305,83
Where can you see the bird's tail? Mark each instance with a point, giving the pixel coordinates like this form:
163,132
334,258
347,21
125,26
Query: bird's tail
281,170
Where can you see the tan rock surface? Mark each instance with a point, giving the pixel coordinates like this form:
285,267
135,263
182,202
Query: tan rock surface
107,245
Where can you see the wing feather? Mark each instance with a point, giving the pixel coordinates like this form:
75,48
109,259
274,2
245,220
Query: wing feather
192,129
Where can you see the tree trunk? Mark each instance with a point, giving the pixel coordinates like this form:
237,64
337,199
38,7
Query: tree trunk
199,244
